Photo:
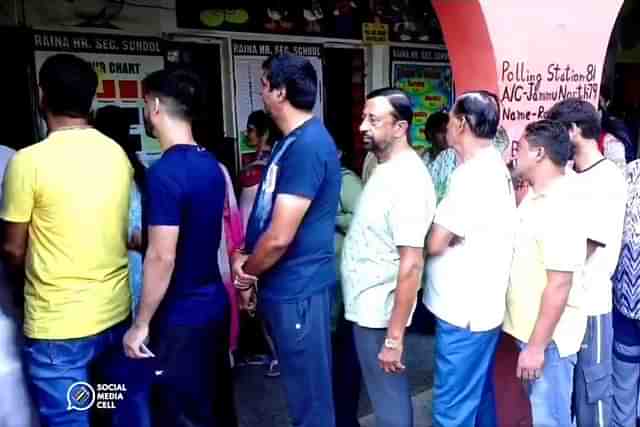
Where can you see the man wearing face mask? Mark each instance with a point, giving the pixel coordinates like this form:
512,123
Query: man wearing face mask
382,257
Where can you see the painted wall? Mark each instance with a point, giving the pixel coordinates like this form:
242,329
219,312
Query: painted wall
530,54
525,53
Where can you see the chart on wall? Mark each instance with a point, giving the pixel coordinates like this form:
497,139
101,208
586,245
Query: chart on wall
425,75
121,63
248,57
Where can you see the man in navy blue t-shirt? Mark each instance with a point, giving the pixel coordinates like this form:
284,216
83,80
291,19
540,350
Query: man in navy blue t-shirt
183,298
290,240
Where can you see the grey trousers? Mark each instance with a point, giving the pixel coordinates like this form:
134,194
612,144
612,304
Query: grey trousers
593,389
389,393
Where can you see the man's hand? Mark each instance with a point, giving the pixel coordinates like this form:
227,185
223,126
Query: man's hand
241,279
530,363
455,241
248,300
391,360
134,341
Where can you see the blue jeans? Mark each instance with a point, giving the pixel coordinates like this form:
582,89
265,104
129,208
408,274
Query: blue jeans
53,366
463,390
302,335
390,394
550,395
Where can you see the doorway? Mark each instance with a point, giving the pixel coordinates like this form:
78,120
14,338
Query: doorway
19,88
204,59
344,93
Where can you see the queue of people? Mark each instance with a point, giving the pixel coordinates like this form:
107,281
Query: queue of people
136,276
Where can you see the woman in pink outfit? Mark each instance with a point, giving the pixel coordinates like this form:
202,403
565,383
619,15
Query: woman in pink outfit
232,240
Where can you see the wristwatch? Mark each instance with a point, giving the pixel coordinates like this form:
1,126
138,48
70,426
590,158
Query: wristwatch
392,344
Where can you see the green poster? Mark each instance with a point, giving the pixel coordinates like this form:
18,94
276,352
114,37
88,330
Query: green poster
430,88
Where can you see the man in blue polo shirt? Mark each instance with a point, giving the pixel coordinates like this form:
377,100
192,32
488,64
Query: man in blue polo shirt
183,298
290,240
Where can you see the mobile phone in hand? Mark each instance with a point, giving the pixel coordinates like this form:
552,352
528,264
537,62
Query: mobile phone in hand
145,350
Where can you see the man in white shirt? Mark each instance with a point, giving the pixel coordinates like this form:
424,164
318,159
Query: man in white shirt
382,259
469,256
602,194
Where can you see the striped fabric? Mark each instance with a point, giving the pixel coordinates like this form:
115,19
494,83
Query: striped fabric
626,279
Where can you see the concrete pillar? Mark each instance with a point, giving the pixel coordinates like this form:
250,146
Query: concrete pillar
531,54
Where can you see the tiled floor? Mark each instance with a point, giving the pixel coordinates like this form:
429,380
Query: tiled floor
260,400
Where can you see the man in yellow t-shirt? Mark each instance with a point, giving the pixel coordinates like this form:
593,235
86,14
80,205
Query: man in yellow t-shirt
543,304
65,207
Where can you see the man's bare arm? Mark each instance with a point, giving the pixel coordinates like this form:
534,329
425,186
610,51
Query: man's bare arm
288,213
554,301
159,263
438,240
14,248
410,272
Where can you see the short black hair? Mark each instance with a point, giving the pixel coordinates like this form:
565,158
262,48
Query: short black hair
582,113
435,122
180,90
481,110
553,136
296,75
263,124
260,121
399,100
68,84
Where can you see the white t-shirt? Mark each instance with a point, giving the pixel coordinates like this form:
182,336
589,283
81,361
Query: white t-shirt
603,196
395,209
466,286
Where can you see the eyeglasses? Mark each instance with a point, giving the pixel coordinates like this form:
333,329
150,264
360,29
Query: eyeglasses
373,120
376,121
